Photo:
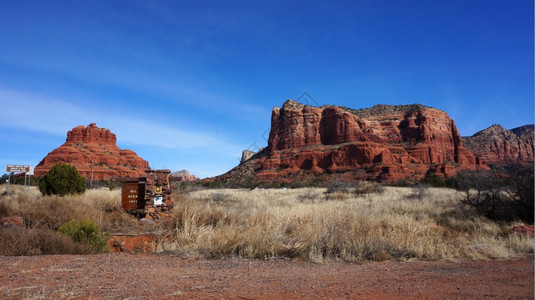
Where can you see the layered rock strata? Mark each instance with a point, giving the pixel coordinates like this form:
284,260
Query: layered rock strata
385,143
94,152
499,146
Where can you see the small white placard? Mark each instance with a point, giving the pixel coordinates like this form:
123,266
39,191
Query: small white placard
158,201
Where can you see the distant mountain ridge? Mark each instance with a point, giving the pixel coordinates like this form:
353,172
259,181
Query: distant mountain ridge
183,175
499,146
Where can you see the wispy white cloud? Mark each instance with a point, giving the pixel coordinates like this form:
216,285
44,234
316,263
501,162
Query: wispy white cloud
56,116
38,113
149,78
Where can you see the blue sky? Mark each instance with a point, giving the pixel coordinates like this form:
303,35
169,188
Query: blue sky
189,84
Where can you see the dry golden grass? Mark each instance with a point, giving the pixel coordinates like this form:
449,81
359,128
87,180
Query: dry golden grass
307,224
101,206
43,215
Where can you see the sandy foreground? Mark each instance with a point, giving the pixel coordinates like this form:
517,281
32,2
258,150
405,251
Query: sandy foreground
164,276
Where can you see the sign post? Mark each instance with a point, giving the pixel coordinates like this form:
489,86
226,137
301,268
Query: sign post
19,169
8,182
30,174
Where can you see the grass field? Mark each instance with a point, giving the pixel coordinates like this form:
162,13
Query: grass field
400,223
395,224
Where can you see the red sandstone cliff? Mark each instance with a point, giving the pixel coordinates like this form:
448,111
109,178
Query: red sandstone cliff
96,147
499,146
384,142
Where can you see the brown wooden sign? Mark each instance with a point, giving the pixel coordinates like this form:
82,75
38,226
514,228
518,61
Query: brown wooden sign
133,196
17,168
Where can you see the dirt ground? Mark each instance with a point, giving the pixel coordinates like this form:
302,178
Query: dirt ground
164,276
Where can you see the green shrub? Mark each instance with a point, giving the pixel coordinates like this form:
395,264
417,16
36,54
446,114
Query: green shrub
62,179
86,232
433,180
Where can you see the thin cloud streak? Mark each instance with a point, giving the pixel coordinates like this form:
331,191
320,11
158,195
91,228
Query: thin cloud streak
169,85
30,112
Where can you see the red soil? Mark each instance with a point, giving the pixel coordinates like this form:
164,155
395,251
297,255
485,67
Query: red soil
122,275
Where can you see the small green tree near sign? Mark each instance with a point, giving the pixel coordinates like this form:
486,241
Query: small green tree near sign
62,179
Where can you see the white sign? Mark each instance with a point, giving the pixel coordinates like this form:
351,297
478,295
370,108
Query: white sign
30,173
158,201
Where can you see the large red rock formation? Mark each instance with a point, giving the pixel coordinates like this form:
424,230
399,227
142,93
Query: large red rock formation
499,146
385,142
93,150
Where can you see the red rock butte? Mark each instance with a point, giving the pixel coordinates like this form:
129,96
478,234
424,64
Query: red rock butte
384,142
499,146
93,150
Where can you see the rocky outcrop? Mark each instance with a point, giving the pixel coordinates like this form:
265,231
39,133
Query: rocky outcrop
183,175
246,155
133,244
93,150
385,142
499,146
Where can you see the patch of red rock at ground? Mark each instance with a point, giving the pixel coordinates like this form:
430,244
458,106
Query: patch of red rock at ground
524,230
93,150
385,142
139,243
499,146
12,221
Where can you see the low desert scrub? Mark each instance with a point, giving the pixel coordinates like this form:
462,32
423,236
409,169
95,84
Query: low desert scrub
387,223
44,215
306,224
101,206
340,190
86,232
38,241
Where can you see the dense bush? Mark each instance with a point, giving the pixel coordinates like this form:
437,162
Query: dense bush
499,196
85,232
433,180
62,179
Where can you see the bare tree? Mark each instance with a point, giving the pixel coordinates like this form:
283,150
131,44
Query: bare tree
497,195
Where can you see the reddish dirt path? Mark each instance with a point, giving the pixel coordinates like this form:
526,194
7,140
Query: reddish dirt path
141,276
